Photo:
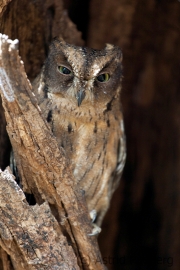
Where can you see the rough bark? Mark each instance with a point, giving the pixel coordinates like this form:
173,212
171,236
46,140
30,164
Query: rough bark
149,220
43,168
31,234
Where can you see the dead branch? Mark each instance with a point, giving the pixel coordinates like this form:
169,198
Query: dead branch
31,234
44,171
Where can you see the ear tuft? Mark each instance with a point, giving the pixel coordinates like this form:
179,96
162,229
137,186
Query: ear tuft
56,42
109,46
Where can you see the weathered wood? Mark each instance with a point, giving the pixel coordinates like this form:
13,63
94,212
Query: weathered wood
43,167
31,234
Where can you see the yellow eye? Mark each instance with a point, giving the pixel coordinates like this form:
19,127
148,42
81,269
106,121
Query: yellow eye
103,77
64,70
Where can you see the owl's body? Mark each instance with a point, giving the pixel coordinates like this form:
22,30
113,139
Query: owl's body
81,103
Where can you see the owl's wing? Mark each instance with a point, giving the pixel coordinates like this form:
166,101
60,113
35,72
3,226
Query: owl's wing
122,150
121,157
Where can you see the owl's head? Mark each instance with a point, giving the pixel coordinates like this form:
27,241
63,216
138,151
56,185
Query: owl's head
83,75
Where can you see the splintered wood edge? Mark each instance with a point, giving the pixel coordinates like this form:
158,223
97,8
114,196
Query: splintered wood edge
13,76
10,81
32,230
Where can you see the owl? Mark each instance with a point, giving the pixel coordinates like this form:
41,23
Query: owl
78,91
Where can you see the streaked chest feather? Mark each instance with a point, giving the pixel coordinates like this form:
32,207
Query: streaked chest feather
90,139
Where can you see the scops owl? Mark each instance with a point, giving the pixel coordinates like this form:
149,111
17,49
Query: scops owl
78,91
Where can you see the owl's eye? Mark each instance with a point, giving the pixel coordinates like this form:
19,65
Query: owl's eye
103,77
64,70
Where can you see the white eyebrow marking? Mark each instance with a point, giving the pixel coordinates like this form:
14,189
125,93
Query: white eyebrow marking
95,69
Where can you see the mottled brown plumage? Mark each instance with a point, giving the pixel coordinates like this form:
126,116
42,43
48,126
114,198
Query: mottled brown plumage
79,93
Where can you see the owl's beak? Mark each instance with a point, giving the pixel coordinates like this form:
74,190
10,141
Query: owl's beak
80,96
